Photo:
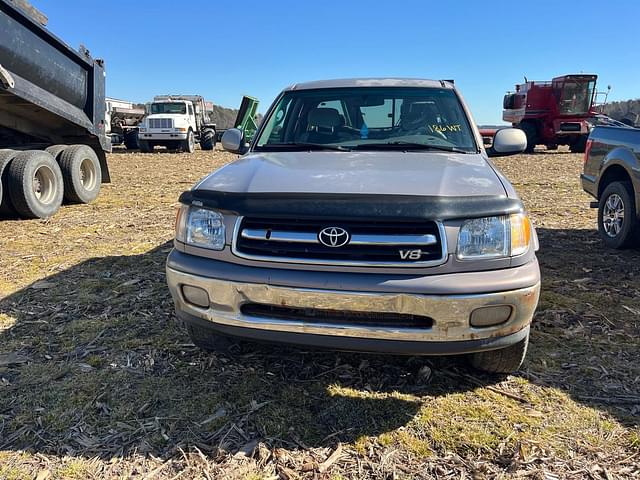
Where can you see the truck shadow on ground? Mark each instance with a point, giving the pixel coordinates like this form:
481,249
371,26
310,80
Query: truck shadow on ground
93,363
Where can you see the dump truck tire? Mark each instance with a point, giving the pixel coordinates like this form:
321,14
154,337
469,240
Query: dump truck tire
131,140
504,360
6,209
35,184
55,151
189,145
81,173
208,139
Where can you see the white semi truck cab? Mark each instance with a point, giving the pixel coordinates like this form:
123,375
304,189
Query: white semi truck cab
177,122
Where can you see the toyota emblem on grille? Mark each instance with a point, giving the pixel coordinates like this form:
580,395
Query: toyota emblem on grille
333,237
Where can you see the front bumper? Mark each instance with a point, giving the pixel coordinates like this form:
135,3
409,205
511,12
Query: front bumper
151,136
450,332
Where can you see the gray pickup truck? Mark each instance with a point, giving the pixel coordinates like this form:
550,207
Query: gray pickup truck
612,175
365,215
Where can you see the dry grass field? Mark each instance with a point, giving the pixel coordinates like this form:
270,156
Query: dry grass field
97,380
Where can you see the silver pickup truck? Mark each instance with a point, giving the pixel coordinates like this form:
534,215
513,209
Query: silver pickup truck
612,176
365,215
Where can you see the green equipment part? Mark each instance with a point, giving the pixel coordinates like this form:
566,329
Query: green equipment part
246,119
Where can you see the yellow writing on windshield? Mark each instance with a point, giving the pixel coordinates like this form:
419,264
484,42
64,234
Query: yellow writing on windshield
454,127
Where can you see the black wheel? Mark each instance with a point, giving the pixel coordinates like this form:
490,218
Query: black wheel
617,221
579,145
208,340
189,145
6,208
208,139
145,147
504,360
81,173
35,184
531,133
56,150
131,140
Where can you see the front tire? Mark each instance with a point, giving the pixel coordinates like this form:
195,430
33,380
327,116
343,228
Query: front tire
207,340
189,145
208,139
531,132
35,184
145,147
617,220
504,360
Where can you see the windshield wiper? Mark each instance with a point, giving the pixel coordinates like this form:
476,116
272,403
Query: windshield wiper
408,146
304,146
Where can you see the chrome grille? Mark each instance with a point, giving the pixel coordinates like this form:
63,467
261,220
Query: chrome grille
370,243
160,123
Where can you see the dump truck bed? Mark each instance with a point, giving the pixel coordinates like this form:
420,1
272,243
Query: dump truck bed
49,92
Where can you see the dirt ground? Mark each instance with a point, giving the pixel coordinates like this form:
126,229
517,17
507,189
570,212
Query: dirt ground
97,380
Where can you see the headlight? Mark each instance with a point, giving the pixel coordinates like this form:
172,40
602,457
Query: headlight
142,129
200,227
494,237
181,129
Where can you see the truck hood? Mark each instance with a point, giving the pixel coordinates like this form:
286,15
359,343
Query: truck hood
389,173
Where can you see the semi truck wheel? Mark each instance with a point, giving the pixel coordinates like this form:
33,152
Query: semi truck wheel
617,221
145,147
56,150
504,360
208,139
81,173
6,209
189,145
35,184
531,132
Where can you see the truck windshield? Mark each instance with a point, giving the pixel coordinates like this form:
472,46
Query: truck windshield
576,96
366,118
179,108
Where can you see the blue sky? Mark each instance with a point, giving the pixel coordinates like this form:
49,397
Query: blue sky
224,50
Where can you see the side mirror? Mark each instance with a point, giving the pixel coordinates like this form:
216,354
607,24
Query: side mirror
233,141
508,141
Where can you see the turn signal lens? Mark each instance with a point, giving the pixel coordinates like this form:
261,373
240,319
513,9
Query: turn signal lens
520,233
181,215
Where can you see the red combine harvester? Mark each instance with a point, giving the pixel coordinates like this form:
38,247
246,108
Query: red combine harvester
559,112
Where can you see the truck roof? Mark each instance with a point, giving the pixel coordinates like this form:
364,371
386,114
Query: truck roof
371,82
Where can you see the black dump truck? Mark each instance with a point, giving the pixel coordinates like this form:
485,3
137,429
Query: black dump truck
52,117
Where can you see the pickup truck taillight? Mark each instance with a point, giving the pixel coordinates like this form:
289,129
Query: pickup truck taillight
587,150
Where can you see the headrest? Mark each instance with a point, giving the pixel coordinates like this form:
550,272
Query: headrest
324,117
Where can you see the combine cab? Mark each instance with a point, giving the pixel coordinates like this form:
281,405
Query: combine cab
559,112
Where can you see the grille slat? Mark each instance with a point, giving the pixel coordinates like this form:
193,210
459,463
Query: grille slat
388,240
160,123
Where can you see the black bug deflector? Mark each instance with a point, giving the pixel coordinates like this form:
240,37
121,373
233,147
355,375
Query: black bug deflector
49,93
350,206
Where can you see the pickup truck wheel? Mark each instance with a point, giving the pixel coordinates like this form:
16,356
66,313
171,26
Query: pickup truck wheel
189,145
35,184
531,133
209,341
6,209
144,146
504,360
81,173
208,139
617,221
